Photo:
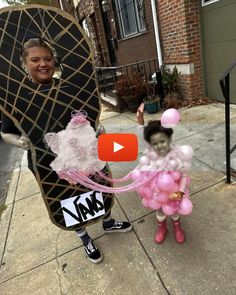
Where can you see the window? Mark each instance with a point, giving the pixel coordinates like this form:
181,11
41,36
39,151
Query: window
206,2
130,17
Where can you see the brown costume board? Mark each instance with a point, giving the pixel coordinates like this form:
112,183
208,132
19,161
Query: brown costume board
38,109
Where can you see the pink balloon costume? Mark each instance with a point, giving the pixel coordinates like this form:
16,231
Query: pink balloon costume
170,177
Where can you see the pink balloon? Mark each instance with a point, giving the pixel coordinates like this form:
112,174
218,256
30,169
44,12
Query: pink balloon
153,185
153,204
155,196
176,175
170,118
174,188
145,203
186,207
147,193
163,197
136,174
168,209
185,152
140,191
165,182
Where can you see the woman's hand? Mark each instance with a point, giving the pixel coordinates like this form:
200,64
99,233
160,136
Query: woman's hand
24,142
17,140
176,196
140,112
100,130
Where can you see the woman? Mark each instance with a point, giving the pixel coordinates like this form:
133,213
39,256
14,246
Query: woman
39,61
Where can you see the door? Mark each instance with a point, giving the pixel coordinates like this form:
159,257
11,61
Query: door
219,44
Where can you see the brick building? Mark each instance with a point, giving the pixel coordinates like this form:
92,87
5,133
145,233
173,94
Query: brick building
181,42
125,34
122,32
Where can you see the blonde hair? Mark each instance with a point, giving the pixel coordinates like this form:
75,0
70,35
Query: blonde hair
36,42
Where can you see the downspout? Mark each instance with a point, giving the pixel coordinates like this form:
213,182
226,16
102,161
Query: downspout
156,30
60,2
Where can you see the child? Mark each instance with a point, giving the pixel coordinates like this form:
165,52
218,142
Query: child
159,140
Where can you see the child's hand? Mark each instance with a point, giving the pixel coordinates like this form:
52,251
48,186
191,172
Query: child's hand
140,112
176,196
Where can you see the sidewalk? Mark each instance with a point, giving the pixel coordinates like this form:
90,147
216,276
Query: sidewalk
39,258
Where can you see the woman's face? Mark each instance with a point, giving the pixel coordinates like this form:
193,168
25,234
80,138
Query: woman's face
40,64
160,142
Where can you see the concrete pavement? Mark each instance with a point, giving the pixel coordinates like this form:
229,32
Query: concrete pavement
39,258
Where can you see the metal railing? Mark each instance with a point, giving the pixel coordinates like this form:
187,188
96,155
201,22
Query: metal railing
107,76
225,87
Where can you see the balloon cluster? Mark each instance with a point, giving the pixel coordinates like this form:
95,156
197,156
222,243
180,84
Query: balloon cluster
156,193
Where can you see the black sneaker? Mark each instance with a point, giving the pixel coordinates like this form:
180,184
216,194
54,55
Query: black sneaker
92,252
118,226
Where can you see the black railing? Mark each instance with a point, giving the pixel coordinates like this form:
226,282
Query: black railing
107,76
225,87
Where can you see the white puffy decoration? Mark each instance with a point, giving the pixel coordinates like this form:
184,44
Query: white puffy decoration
185,152
52,137
75,147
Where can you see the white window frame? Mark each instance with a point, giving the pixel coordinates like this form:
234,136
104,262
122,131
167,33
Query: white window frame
209,2
121,24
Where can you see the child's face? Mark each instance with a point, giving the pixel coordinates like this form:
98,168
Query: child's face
160,142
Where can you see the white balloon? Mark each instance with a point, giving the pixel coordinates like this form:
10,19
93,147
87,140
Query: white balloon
144,160
185,152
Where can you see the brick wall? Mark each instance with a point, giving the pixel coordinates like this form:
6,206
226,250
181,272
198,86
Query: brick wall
141,47
180,35
91,11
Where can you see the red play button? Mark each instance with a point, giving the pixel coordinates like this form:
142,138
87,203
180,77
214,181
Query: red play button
117,147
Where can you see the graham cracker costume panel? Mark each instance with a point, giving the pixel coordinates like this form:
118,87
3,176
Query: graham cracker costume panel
37,109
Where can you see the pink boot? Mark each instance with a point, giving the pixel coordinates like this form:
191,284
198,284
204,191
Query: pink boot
179,233
161,232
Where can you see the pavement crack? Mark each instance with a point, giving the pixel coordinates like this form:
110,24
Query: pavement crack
153,265
59,276
58,265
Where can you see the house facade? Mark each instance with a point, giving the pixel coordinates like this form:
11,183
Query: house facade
192,37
